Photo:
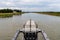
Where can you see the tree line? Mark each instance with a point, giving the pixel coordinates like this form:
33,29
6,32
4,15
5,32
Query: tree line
9,10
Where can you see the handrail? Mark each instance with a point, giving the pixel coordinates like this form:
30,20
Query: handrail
44,35
16,35
42,32
37,31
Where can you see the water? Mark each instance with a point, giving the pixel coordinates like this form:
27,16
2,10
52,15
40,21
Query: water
50,24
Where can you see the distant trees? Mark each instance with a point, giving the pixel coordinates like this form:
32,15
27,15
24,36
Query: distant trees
17,10
8,10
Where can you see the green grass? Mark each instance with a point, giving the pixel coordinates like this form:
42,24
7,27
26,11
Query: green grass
17,13
50,13
3,15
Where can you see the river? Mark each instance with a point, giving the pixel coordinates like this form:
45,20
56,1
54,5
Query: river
50,24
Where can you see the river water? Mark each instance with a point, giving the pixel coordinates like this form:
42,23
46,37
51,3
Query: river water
50,24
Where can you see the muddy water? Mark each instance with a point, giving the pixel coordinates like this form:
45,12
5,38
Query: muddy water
50,24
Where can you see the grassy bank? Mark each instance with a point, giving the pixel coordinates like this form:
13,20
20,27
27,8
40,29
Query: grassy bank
3,15
50,13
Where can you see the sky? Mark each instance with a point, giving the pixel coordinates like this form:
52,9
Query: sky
31,5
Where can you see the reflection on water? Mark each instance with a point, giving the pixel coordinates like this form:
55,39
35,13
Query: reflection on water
50,24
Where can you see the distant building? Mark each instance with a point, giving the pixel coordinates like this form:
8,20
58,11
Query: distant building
14,12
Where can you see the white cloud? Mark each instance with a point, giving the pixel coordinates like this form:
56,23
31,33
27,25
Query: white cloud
55,5
7,3
29,2
31,5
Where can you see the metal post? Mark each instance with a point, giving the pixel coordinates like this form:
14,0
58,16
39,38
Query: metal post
16,35
44,35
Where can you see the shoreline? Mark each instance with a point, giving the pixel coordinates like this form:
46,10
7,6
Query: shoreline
50,13
4,15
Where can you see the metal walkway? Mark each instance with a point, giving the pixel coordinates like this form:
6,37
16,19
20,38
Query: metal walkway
30,31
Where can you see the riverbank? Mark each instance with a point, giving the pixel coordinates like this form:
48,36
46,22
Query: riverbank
50,13
3,15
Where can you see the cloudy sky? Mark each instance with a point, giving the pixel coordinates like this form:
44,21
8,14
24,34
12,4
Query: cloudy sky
31,5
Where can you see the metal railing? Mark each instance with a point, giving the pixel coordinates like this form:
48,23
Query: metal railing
29,33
